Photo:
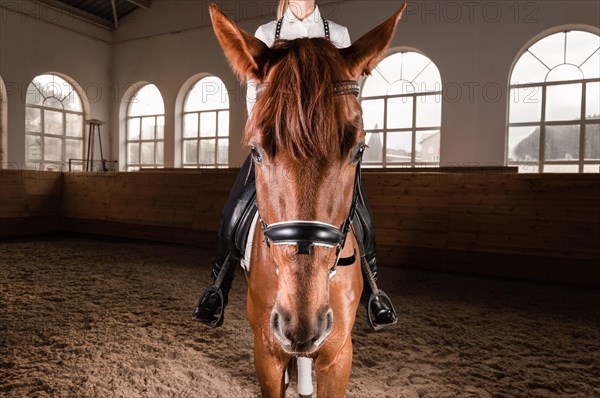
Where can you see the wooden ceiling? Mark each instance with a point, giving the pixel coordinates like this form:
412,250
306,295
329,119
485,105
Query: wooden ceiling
104,13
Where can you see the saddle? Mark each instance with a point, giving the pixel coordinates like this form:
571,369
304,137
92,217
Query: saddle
241,230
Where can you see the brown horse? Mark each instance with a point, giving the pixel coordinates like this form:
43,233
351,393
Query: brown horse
307,139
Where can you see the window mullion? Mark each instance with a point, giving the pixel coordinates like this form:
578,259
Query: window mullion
64,136
139,142
217,139
156,142
542,148
43,141
413,156
199,141
385,133
582,128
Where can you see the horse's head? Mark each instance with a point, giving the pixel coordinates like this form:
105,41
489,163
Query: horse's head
306,136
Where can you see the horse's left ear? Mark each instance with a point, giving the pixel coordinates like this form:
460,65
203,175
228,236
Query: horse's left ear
364,54
245,53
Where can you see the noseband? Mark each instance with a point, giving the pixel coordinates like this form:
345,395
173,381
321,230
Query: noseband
307,234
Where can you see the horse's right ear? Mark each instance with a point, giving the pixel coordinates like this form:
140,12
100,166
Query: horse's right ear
364,54
246,53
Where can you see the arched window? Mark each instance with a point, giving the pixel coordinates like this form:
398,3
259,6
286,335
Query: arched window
554,108
402,111
206,124
54,123
145,129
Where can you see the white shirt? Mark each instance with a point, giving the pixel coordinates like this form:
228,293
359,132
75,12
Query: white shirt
311,26
293,28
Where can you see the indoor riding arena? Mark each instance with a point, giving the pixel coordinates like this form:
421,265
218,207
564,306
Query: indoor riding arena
121,127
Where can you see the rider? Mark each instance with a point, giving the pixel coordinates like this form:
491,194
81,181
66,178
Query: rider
296,18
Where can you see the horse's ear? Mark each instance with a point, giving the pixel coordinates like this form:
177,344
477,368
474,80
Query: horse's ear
245,53
364,54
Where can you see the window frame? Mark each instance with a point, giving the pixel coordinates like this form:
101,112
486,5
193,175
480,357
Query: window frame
198,138
582,122
43,163
155,141
413,129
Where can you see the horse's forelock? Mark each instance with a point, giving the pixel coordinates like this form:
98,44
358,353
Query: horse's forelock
296,114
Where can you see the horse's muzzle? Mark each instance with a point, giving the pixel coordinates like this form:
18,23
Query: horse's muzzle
301,338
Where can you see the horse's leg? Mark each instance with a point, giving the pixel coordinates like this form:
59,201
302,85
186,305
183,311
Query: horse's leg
269,361
270,369
333,374
334,362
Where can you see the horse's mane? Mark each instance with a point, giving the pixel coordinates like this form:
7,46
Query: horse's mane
296,114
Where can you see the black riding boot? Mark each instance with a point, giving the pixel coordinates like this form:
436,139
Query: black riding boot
211,306
380,310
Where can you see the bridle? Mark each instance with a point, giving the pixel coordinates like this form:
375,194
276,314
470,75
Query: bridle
342,87
307,234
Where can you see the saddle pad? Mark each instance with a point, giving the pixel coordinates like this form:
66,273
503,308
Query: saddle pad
245,262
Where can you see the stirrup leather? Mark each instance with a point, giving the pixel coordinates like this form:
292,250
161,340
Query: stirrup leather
218,318
386,301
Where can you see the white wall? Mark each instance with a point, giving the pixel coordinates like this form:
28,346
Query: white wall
474,45
168,45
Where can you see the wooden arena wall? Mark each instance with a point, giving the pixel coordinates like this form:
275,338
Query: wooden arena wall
179,207
30,202
542,227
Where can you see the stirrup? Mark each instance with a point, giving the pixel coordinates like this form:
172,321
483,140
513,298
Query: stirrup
217,319
386,301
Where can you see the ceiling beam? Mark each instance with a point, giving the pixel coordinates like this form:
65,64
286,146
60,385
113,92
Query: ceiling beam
141,3
77,13
115,16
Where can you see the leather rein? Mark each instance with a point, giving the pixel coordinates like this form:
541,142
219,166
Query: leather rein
307,234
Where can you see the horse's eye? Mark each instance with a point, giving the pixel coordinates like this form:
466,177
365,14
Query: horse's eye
359,153
256,154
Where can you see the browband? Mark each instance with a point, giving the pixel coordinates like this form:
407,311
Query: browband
342,87
347,87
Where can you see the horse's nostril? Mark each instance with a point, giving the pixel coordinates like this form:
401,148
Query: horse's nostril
280,321
297,336
329,320
275,321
